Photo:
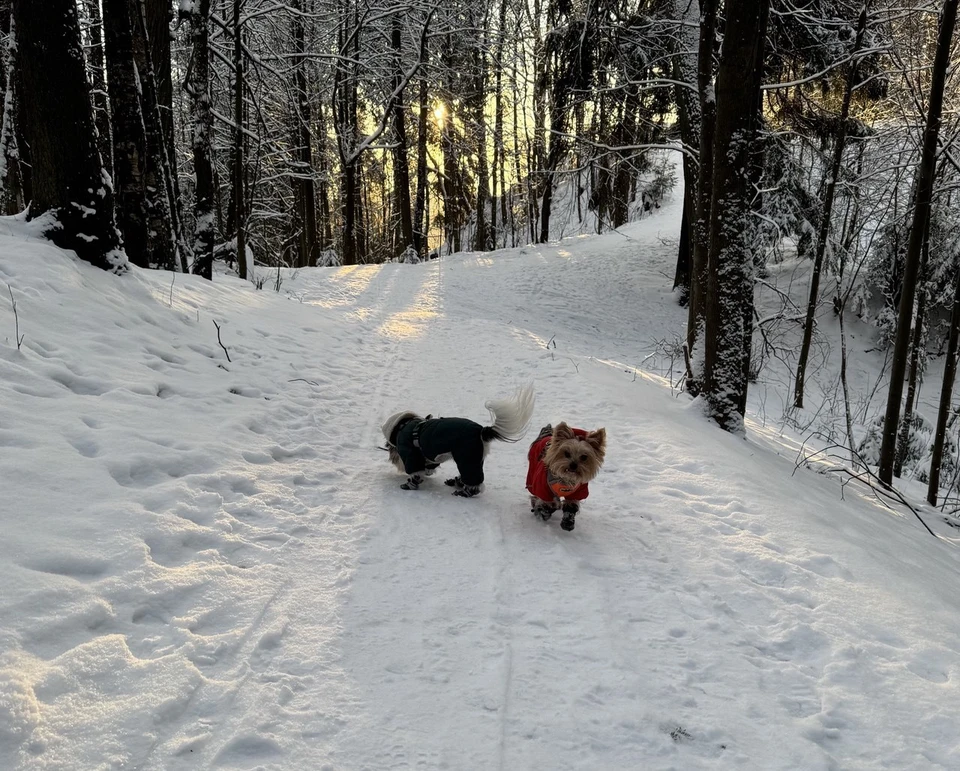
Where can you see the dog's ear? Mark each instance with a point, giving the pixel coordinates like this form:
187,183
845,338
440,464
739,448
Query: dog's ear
429,416
598,439
562,432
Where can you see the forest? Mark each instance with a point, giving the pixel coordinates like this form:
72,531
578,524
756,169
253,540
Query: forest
315,133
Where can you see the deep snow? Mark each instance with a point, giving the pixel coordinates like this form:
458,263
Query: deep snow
209,564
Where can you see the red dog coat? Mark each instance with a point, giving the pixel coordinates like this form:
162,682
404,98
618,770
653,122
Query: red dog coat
542,484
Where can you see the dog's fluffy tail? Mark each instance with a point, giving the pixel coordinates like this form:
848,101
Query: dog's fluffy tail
510,416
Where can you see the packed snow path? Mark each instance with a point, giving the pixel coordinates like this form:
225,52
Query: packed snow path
209,564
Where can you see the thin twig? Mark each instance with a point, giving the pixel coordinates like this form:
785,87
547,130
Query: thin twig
220,341
172,282
304,380
16,319
866,477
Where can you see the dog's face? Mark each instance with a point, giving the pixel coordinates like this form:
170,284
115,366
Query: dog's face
575,459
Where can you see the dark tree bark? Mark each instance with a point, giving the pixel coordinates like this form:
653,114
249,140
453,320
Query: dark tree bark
701,225
481,241
824,234
130,143
916,356
420,207
157,17
239,147
101,110
923,192
346,125
11,179
946,396
688,119
304,182
57,120
198,88
401,166
326,221
729,302
155,167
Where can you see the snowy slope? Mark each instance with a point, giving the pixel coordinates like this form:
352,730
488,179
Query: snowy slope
208,564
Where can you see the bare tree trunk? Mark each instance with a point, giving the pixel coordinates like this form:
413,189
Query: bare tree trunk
202,140
822,237
401,167
68,175
916,349
304,182
946,396
101,110
11,187
729,302
419,228
701,225
165,247
922,195
323,189
239,210
130,142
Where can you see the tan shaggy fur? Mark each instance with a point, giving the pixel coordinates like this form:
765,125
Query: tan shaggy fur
574,459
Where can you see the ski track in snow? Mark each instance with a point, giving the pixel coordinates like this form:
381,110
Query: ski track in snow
212,566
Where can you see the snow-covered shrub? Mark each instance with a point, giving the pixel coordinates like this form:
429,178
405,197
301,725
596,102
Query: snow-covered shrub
328,258
916,462
409,256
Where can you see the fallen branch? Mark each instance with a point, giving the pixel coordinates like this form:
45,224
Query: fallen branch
865,476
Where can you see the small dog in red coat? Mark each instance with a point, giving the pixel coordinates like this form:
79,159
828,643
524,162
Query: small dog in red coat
562,461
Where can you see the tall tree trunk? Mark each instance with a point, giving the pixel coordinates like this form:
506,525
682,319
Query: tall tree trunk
824,234
130,142
946,396
401,166
923,192
202,140
304,180
101,110
729,303
689,118
11,188
701,226
323,189
499,160
913,379
157,16
419,228
164,242
238,201
481,242
68,177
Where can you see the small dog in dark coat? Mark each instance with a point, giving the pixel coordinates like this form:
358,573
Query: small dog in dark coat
417,446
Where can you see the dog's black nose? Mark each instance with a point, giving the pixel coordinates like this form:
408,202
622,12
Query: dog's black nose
573,466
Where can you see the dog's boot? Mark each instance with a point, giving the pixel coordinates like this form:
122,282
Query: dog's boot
543,512
455,482
413,482
467,491
568,521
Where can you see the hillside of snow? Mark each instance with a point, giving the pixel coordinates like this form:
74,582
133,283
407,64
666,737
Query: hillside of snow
209,563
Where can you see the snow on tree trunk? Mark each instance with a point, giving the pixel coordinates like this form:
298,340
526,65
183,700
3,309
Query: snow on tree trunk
68,177
729,301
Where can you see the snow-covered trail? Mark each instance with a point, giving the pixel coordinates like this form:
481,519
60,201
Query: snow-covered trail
210,564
